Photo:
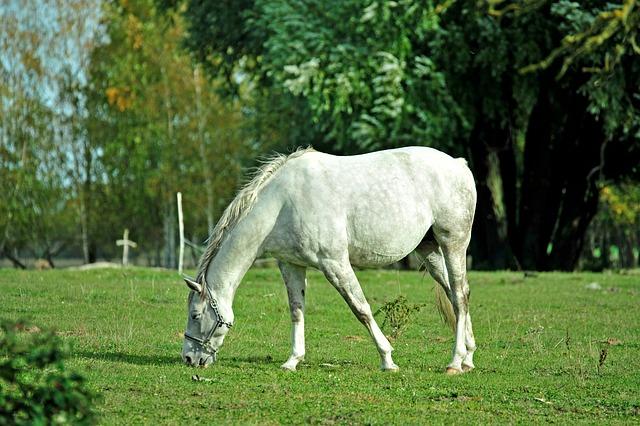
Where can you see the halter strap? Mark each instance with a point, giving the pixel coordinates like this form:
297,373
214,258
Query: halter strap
206,343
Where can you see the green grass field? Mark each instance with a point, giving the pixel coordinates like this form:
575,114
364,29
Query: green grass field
539,346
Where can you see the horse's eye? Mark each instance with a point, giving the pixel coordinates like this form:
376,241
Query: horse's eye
196,316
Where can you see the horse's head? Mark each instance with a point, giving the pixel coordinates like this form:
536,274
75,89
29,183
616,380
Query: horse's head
206,328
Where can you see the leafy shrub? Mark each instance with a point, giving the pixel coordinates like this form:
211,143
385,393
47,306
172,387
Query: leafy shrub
35,386
398,314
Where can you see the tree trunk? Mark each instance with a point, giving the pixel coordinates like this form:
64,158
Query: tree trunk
539,198
14,259
578,159
82,164
489,249
170,185
206,166
88,244
84,229
509,174
627,260
169,236
559,196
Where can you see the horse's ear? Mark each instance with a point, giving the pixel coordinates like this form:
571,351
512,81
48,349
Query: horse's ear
192,284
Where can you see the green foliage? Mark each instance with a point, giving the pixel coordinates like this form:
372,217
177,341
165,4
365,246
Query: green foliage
159,128
600,40
357,65
622,203
613,239
36,387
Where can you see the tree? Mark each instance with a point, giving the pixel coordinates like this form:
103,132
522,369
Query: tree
538,94
160,128
36,43
551,135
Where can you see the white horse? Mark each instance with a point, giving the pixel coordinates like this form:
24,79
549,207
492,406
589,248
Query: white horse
311,209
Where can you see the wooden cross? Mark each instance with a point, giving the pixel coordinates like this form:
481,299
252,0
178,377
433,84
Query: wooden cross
126,243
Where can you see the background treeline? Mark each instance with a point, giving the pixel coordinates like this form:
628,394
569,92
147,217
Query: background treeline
109,108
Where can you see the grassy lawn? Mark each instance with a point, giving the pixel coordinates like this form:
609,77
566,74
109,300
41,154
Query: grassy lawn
539,345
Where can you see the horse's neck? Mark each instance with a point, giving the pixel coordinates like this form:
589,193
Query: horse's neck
236,254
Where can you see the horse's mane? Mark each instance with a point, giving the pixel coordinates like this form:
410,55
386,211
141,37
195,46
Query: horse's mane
242,204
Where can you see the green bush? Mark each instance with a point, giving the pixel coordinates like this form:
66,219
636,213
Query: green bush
35,386
398,314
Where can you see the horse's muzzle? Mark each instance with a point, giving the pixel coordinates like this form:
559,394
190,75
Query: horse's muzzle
199,360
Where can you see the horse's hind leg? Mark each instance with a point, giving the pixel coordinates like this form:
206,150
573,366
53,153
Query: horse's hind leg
436,265
454,251
296,282
470,341
341,276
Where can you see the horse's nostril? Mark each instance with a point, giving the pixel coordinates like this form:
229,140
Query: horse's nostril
187,359
202,361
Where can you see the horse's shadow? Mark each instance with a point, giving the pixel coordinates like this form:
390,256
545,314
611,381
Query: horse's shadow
130,358
157,360
256,359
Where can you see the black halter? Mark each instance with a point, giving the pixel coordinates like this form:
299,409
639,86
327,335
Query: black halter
206,343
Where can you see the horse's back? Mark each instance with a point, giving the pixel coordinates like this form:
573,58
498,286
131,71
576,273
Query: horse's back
419,177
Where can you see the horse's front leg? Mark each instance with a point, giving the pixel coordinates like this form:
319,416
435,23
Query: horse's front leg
296,281
342,277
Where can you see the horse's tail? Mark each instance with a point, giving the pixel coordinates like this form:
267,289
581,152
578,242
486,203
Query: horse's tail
444,307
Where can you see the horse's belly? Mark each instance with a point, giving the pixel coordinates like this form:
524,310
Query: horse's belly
386,236
365,258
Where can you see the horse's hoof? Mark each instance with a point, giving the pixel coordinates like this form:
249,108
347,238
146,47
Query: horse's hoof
452,371
287,367
392,369
466,368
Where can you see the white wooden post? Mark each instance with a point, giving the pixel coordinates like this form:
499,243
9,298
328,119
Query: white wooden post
181,231
125,243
